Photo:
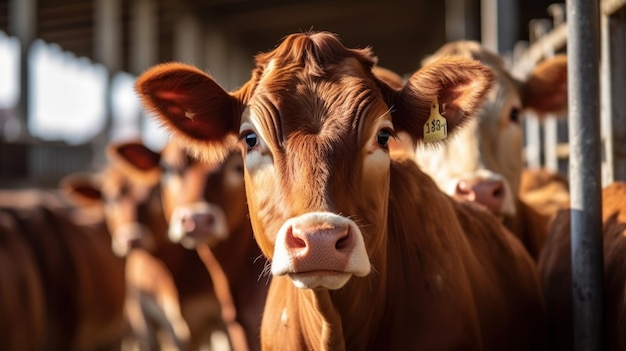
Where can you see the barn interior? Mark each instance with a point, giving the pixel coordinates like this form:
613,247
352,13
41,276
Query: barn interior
124,37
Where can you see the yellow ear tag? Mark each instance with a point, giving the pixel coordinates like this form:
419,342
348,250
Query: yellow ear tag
436,127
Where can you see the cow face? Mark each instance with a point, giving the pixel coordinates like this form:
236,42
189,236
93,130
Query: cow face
313,125
204,202
131,211
484,162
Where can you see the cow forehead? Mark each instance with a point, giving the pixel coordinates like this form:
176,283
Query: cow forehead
290,103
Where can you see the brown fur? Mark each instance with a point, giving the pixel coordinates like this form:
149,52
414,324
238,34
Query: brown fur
82,283
556,272
22,296
317,121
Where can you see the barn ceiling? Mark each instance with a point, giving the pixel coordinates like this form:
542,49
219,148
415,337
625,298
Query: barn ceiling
401,32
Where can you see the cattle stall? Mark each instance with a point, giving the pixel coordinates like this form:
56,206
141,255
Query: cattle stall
588,144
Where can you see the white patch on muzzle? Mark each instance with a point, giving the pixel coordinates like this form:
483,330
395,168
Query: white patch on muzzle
319,273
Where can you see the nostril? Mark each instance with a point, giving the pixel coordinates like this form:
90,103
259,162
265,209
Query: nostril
188,223
208,219
498,190
294,242
344,243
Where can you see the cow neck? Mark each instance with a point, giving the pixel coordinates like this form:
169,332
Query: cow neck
185,265
422,229
236,252
320,314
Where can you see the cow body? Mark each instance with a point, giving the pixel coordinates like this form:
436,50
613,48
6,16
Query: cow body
555,265
366,252
81,282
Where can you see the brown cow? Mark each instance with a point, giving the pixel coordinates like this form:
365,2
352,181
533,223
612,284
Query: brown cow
206,204
169,289
366,252
484,161
64,277
22,305
556,272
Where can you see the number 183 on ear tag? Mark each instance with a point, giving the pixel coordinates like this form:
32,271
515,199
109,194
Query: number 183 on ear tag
436,127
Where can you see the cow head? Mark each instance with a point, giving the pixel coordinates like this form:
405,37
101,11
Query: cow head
128,201
484,162
313,125
204,202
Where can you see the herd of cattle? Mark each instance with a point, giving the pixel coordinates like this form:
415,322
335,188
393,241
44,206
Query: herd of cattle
327,204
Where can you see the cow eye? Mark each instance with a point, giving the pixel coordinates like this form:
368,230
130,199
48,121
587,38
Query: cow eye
383,137
514,115
251,140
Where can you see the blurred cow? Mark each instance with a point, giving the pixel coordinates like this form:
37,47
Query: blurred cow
484,163
206,205
61,286
555,266
169,289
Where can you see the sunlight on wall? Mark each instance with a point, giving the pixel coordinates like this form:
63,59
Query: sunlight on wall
9,73
68,95
126,108
129,121
154,135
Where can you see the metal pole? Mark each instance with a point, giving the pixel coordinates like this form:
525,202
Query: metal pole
498,23
613,92
584,137
23,25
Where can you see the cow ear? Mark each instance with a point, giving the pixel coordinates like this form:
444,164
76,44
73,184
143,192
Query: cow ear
191,105
136,159
459,85
545,90
81,189
389,77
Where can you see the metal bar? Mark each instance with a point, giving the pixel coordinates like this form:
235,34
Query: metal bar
144,26
23,25
613,91
532,132
556,39
498,23
460,21
550,124
586,210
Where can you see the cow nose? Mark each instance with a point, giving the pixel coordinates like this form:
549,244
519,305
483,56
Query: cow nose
315,249
489,193
198,223
193,221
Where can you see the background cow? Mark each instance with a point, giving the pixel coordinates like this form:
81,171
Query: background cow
206,205
366,252
484,161
555,265
169,289
22,306
60,280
